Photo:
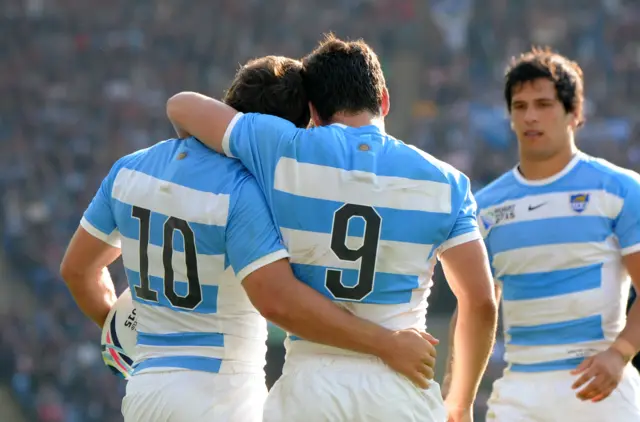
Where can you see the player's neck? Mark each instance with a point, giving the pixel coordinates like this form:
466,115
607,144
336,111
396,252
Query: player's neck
540,170
358,120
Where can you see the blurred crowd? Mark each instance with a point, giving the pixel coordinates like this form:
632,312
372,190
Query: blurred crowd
84,82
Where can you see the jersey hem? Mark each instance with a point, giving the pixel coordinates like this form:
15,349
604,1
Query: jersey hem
261,262
112,239
226,139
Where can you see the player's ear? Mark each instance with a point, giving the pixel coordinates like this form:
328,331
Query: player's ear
386,103
572,120
315,119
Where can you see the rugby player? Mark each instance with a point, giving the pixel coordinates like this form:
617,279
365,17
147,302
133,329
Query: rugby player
563,234
199,247
364,217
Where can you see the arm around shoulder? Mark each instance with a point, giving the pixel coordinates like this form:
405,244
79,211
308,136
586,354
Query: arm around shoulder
194,114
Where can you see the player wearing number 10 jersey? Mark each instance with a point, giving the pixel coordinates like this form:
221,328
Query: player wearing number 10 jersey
195,233
364,217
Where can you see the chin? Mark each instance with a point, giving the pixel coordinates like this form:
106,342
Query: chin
536,154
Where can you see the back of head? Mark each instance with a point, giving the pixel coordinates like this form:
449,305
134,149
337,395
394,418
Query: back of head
542,63
270,85
342,76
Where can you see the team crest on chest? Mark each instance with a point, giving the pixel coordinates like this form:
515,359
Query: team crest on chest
579,201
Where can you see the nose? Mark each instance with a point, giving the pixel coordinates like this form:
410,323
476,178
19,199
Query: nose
531,115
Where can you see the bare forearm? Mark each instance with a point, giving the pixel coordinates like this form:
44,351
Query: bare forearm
93,292
309,315
474,337
452,333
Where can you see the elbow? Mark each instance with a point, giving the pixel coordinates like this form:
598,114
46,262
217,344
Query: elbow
174,105
483,307
71,273
67,272
273,311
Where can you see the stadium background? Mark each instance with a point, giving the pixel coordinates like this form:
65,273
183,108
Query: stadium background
84,82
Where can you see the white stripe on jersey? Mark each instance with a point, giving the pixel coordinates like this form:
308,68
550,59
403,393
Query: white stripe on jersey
393,257
549,310
359,187
207,264
548,258
602,204
523,355
204,207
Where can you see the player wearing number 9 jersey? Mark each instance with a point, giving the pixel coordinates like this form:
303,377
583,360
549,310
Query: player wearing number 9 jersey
195,233
364,217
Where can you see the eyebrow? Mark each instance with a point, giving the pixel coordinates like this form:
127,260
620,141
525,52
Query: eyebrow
535,100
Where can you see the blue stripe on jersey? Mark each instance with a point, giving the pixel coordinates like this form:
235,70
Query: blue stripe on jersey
209,239
550,231
554,365
209,304
400,162
388,288
397,225
158,161
181,339
194,363
552,283
567,332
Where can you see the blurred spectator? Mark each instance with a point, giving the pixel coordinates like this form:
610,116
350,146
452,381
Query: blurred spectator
84,82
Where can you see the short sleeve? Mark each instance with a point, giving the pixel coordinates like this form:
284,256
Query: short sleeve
258,141
465,227
252,239
627,224
98,219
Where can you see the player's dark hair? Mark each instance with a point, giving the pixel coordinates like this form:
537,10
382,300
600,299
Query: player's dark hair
342,76
270,85
542,63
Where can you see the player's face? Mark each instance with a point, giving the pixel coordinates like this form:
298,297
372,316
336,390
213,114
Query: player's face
539,119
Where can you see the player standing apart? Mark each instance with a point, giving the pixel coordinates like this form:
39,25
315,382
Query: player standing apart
199,247
364,217
563,234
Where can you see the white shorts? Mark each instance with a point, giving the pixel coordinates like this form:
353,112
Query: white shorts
194,396
548,397
349,389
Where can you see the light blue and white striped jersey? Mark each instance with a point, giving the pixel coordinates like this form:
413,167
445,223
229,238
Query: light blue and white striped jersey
187,219
362,214
556,247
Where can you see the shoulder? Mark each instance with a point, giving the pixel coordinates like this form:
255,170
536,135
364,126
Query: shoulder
614,179
496,192
138,158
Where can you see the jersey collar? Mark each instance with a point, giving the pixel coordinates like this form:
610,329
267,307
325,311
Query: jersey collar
541,182
372,128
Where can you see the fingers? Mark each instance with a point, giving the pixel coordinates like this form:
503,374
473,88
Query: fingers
582,380
429,361
584,365
606,392
418,378
598,389
431,339
427,371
